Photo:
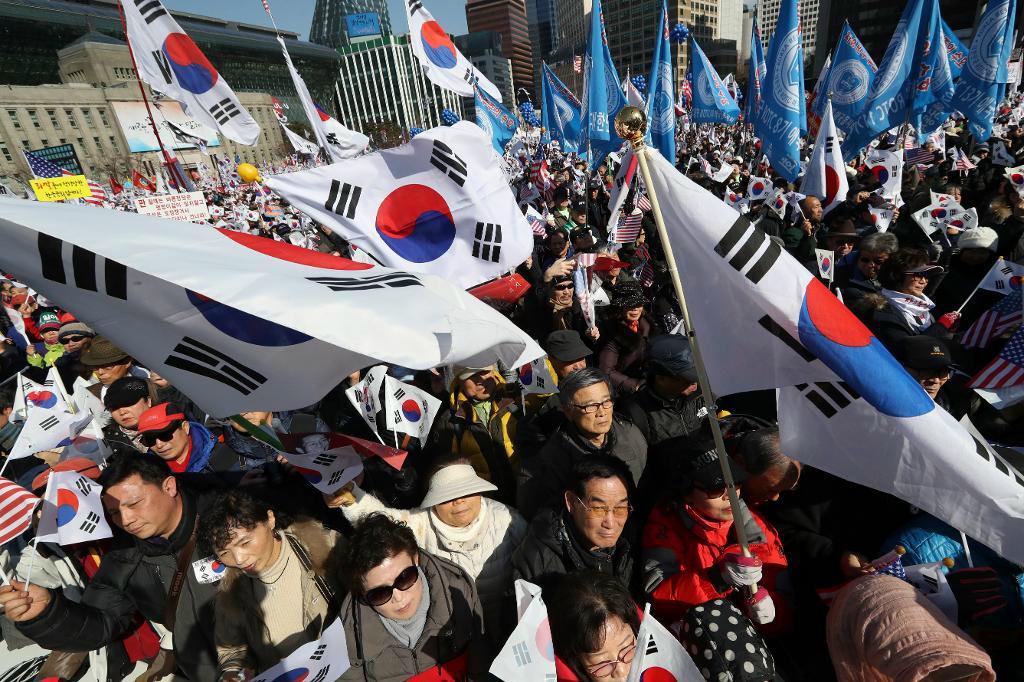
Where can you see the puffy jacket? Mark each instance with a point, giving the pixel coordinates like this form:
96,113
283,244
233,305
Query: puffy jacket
451,647
544,477
687,547
206,454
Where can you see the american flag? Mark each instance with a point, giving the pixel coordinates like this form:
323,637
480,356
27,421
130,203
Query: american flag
919,156
628,229
1007,369
539,175
645,275
99,195
643,203
538,222
577,64
44,168
687,89
961,162
16,505
895,569
994,321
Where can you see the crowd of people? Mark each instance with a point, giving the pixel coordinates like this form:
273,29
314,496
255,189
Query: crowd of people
607,492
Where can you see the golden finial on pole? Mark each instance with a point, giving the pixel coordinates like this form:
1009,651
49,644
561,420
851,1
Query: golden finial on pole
631,124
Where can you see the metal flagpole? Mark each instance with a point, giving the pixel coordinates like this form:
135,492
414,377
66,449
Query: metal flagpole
631,124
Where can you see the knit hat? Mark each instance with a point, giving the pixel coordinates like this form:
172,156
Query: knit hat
48,321
102,351
125,392
159,417
979,238
74,328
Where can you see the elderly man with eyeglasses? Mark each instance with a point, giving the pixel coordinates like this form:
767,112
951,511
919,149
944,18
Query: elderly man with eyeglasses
591,428
585,532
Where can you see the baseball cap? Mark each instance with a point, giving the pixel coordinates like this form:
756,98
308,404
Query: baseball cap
566,345
703,470
670,355
125,392
928,268
159,417
924,352
48,321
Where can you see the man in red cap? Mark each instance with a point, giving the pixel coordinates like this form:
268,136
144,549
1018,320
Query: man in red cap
186,446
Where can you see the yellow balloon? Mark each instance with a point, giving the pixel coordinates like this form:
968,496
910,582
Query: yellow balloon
248,172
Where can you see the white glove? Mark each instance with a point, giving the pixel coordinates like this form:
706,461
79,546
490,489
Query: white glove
739,570
760,608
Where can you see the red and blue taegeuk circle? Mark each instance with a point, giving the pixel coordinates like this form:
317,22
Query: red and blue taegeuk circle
217,567
526,374
194,71
67,506
415,222
657,674
1017,178
44,399
244,327
411,411
939,213
1016,281
311,475
438,47
881,173
831,185
85,445
543,640
757,188
835,336
297,675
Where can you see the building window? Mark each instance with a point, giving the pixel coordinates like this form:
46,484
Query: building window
13,114
46,142
63,141
96,141
52,113
103,118
34,118
112,142
70,113
5,152
81,143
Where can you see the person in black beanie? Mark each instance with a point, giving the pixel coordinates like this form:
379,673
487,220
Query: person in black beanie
126,399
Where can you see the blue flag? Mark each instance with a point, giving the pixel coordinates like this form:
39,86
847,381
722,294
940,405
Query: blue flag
977,92
497,121
560,111
711,100
782,117
602,95
757,70
848,81
955,50
661,97
933,103
894,87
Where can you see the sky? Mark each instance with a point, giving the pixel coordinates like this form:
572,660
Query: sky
295,15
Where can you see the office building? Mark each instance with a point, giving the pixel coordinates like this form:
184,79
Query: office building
340,22
540,17
483,50
507,17
768,15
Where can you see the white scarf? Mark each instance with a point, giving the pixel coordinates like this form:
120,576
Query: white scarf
916,310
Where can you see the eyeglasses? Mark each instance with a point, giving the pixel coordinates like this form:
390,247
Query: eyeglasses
72,339
379,596
591,408
606,668
619,512
874,261
844,240
150,438
918,275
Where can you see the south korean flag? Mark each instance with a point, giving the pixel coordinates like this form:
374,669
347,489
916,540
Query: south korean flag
408,409
325,659
327,471
72,511
170,62
439,204
536,377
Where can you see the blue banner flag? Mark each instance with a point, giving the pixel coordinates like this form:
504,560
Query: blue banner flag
560,111
711,100
893,89
977,92
602,95
757,70
661,97
955,50
848,81
497,121
933,102
782,117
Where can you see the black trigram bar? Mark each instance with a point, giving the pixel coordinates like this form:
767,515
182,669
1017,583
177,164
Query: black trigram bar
414,5
335,477
829,398
198,358
444,159
652,646
487,242
151,10
322,675
746,252
1006,270
165,66
84,268
394,281
83,485
92,519
398,417
343,199
399,394
224,110
49,423
773,328
470,76
323,459
319,653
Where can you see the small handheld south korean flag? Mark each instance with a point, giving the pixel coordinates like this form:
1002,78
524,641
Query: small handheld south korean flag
208,570
327,471
660,656
826,263
72,511
364,396
528,653
759,188
408,409
535,377
325,659
45,430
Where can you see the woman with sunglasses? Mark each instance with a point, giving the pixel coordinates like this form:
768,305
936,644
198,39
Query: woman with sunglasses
409,615
278,591
905,278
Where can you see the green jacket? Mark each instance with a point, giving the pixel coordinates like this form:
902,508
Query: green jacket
52,354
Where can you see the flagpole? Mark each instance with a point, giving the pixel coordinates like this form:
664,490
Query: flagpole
631,124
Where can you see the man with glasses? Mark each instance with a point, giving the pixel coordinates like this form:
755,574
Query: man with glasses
186,446
586,533
590,429
408,613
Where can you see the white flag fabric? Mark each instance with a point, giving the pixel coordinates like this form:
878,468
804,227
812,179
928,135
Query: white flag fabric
29,395
439,204
740,285
826,263
301,145
72,511
759,188
633,96
172,64
723,173
536,377
1004,277
938,217
881,217
659,655
918,453
624,178
365,396
48,429
528,653
327,471
444,65
825,177
325,659
887,168
409,409
240,322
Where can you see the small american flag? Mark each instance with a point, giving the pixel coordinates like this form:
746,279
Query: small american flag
628,229
919,156
538,222
539,175
577,64
1007,369
687,89
645,275
44,168
643,203
994,321
962,163
895,569
99,195
16,505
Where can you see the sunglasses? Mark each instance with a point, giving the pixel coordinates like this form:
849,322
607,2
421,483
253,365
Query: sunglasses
150,438
379,596
72,339
563,287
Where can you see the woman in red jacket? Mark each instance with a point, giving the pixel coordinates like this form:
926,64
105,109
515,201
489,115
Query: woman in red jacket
691,556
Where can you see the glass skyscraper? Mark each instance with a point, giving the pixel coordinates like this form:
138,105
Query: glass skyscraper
329,26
